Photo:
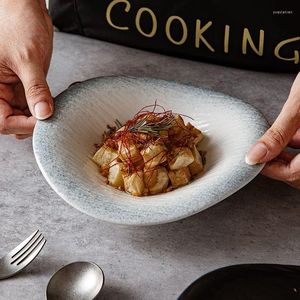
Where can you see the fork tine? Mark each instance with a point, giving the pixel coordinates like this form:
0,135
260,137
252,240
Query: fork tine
23,244
29,247
32,254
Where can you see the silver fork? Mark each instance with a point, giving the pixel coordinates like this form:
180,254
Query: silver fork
21,256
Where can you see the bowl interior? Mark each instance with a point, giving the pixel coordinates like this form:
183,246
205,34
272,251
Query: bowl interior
64,146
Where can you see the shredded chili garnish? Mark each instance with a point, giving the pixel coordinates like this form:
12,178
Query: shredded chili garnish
151,125
157,146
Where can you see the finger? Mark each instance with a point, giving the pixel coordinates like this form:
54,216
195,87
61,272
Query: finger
295,141
285,156
19,99
295,89
26,112
278,136
6,92
283,170
22,136
17,112
5,111
36,89
20,125
14,124
274,140
277,169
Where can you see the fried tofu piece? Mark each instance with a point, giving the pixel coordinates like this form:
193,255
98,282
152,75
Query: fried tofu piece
154,155
196,166
178,120
181,157
115,177
156,180
180,177
177,125
104,156
129,152
134,183
196,133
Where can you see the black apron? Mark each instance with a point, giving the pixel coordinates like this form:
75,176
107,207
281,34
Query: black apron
263,35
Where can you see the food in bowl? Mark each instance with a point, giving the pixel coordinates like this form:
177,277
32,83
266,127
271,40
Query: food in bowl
154,152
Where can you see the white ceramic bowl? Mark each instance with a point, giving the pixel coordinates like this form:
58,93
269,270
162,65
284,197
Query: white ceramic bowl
64,144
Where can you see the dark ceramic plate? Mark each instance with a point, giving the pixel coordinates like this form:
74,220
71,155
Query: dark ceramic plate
247,282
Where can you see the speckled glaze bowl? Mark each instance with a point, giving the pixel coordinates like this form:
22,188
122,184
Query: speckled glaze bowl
64,144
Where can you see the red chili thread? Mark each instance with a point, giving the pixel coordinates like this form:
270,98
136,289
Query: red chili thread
122,140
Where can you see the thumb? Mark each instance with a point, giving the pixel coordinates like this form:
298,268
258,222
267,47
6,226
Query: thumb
271,144
36,90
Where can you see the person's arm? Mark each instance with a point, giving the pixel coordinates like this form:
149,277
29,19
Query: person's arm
284,132
26,46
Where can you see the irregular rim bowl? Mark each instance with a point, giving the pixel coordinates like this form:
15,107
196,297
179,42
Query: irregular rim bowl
63,146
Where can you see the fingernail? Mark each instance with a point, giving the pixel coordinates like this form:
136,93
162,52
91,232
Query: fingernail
256,154
42,110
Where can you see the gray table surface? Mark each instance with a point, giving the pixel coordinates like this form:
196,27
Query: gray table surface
260,223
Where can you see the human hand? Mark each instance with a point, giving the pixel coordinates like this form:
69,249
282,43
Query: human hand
25,53
269,149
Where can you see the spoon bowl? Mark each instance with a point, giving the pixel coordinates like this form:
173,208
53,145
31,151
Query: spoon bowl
76,281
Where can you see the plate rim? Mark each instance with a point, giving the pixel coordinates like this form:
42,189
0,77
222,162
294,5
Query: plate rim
120,221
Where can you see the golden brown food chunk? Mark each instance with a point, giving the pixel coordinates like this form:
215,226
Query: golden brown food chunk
178,121
180,177
154,152
177,125
104,156
115,177
180,158
129,152
196,166
154,155
134,183
156,180
196,133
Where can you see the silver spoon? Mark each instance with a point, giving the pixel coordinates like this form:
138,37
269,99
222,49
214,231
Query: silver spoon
76,281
